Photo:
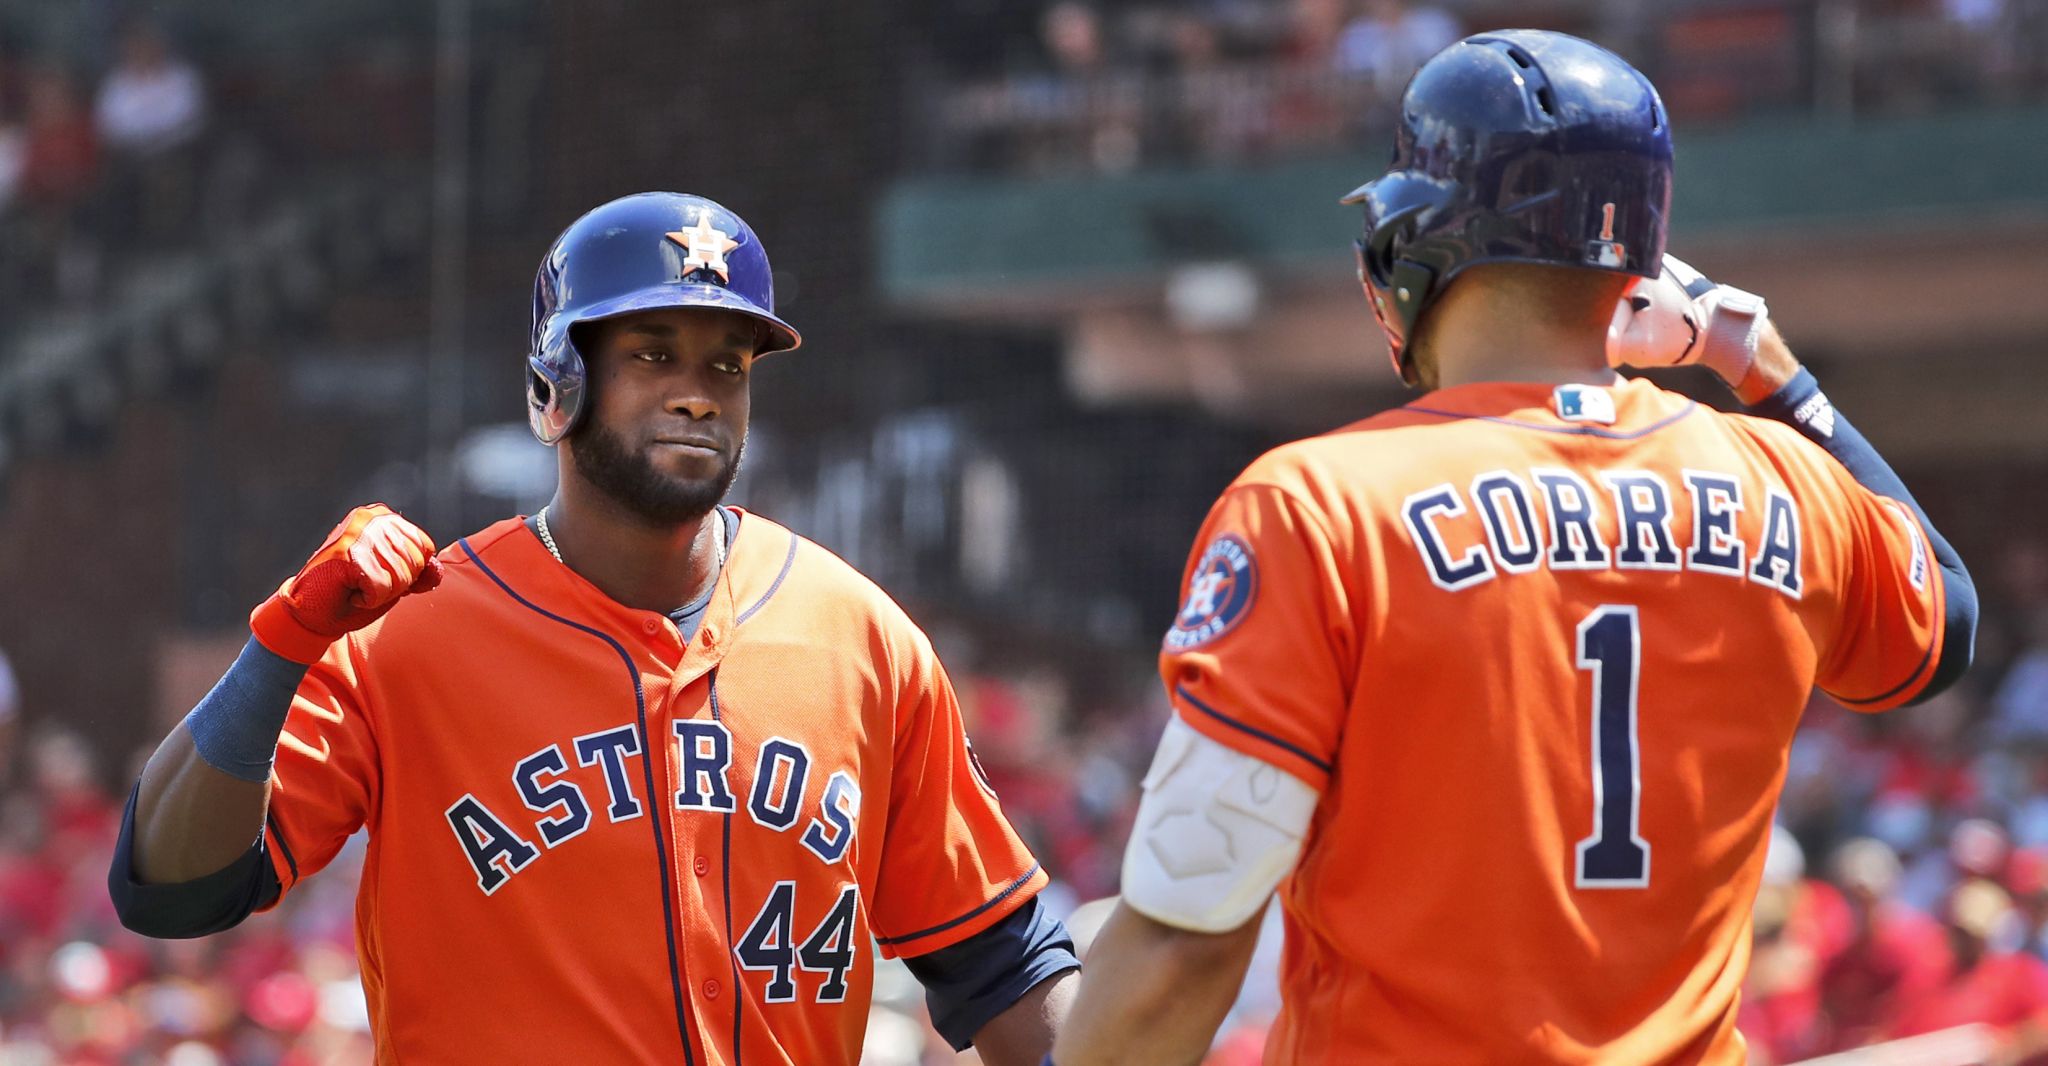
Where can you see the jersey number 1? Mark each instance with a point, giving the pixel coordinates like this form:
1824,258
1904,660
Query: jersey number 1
1615,856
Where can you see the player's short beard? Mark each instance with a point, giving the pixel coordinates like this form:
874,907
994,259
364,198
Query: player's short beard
629,477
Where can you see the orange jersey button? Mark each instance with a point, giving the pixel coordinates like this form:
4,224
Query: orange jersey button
650,625
711,990
703,866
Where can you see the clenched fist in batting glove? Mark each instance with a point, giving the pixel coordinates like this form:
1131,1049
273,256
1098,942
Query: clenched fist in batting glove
370,560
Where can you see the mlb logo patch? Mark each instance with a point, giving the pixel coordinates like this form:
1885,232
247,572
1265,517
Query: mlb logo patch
1584,403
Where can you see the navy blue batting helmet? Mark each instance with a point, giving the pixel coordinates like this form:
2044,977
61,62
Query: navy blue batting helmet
1517,146
638,253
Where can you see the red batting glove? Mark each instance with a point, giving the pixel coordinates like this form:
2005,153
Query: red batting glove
370,560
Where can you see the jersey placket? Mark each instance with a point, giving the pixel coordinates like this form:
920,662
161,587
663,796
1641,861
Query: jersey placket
699,884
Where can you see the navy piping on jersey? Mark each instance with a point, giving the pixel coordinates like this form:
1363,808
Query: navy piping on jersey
1895,689
1577,431
739,1048
675,972
1320,764
787,562
970,915
277,837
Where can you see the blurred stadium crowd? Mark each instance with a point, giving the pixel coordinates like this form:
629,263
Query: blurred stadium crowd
89,166
1908,888
1112,86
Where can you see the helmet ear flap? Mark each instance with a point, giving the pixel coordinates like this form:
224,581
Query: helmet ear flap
1383,243
554,384
1396,286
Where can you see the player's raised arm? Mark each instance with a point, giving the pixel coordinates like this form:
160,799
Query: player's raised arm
189,861
1682,318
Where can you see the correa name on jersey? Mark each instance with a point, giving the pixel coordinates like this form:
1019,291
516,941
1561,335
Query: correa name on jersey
782,774
1554,519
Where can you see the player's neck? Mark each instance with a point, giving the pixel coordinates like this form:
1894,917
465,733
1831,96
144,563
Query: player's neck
1469,350
643,566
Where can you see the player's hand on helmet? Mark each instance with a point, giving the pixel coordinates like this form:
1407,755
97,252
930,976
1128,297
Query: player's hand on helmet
370,560
1680,318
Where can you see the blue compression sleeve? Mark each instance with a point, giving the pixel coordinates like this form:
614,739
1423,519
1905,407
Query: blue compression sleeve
968,984
1801,405
235,728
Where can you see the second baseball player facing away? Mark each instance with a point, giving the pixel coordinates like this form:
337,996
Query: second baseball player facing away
1496,689
645,776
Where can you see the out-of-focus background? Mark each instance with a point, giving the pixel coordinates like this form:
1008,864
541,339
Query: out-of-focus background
1062,269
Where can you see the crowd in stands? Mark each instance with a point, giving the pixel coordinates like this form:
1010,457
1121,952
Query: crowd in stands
89,167
1906,890
1106,86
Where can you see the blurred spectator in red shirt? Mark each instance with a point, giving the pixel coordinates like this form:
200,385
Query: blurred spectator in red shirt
60,160
1894,954
2026,877
1987,982
1304,110
1800,926
62,153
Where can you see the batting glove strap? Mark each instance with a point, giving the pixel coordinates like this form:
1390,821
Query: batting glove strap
1732,322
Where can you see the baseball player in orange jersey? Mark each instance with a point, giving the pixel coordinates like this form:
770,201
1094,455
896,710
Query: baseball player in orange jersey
644,776
1496,689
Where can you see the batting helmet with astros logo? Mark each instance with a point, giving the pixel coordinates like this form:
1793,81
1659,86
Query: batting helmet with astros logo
638,253
1521,146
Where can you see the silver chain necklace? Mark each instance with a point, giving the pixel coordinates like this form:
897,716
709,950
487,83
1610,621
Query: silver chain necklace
540,521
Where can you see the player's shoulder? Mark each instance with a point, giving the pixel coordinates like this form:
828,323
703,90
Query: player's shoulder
503,553
1321,470
1794,456
791,579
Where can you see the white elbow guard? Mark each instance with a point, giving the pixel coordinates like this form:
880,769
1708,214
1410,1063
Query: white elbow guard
1216,832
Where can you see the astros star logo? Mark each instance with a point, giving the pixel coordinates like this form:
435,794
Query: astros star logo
1202,596
707,245
1221,589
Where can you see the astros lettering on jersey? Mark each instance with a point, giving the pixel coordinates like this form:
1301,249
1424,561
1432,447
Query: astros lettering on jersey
1543,651
588,837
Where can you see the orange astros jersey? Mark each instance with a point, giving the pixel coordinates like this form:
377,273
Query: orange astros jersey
590,841
1543,651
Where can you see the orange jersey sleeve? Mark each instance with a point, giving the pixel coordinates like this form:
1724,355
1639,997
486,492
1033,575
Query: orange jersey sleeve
1892,606
324,784
1883,625
951,863
1257,656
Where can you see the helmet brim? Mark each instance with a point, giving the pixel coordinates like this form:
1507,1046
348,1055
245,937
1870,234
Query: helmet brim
782,336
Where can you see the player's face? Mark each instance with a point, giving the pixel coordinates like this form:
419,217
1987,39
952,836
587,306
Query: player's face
669,410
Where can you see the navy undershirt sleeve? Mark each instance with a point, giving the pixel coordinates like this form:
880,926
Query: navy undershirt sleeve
199,907
1801,405
968,984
